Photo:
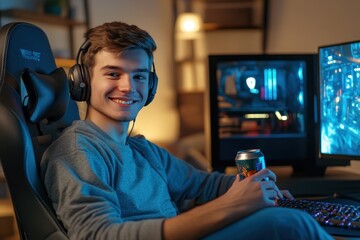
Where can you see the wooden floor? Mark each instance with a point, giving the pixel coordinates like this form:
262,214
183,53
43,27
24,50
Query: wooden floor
8,229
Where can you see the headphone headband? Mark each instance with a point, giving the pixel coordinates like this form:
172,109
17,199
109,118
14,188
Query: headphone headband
82,50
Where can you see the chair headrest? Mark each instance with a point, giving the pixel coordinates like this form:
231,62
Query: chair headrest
27,46
26,59
48,94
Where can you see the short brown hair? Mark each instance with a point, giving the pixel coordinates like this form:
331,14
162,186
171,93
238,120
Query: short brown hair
117,37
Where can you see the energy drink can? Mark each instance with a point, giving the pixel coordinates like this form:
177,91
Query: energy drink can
249,162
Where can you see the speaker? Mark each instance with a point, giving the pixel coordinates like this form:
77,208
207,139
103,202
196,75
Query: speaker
79,79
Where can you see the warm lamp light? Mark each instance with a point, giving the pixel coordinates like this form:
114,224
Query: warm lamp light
188,25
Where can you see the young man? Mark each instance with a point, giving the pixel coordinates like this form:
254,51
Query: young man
106,185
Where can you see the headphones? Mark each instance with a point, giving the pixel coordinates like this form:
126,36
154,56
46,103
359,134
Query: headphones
79,78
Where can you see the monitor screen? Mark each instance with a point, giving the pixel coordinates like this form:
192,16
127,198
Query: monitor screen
339,101
264,102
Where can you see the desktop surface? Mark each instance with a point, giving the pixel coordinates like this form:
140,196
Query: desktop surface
338,185
335,180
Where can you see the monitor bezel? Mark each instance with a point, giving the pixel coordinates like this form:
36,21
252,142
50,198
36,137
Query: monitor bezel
325,158
311,61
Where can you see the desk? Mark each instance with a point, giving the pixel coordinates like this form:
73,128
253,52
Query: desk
336,179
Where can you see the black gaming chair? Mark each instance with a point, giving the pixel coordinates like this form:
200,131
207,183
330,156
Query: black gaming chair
35,107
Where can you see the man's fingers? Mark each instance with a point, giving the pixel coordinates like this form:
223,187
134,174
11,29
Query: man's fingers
264,174
287,194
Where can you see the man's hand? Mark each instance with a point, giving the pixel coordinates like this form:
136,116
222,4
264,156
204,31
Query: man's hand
243,198
253,193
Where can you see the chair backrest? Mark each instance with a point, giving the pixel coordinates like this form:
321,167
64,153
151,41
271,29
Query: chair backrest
35,106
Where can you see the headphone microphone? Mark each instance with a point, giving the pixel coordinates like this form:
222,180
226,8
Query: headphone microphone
79,78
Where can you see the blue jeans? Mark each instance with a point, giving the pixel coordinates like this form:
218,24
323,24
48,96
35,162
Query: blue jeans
273,223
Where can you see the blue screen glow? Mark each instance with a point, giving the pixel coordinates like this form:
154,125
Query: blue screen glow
339,68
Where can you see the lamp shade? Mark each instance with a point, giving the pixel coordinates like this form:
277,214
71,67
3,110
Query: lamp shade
188,25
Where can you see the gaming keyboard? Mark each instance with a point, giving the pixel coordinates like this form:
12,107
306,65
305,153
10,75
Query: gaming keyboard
336,218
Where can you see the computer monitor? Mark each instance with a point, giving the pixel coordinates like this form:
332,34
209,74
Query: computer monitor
339,103
262,102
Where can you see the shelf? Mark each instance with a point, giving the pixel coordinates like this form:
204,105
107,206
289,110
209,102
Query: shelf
64,62
39,17
208,27
33,16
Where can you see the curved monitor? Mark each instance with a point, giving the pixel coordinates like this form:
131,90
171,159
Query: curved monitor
264,102
339,103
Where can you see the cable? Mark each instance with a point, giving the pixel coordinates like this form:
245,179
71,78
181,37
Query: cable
132,127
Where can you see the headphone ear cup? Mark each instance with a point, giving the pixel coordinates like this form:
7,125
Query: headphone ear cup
153,82
78,82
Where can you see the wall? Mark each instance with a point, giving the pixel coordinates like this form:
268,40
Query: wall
303,25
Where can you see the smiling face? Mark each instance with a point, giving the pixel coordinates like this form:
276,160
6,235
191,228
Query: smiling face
119,87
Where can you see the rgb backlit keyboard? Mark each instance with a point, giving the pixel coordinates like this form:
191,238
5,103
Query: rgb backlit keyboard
327,214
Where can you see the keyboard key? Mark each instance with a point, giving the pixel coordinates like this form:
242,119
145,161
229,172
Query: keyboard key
355,225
